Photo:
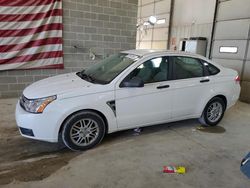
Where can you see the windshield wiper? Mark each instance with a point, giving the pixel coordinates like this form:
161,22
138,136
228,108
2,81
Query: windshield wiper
86,77
90,78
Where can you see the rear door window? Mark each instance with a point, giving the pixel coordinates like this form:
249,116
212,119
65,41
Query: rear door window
187,67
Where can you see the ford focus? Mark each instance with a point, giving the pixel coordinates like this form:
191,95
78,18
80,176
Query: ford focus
131,89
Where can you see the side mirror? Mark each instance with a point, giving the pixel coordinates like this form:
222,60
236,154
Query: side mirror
134,82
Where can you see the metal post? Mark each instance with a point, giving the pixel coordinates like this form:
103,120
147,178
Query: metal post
170,23
213,28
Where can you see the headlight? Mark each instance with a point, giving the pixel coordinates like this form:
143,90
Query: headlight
36,105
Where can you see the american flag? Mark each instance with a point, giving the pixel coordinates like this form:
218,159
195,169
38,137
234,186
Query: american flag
30,34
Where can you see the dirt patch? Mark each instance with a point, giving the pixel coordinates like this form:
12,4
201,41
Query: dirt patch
24,159
29,160
8,132
212,129
33,169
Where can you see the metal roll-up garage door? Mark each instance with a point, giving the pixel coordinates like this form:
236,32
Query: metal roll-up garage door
230,46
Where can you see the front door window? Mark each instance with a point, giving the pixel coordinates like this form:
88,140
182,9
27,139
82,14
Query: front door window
153,70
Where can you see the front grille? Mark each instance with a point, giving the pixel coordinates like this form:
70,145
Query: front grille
27,132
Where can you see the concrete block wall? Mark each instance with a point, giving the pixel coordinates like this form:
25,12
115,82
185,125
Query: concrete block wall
104,26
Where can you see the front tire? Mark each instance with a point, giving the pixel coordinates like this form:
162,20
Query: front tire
213,112
83,130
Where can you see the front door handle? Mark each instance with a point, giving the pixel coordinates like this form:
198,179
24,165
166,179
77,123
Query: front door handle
163,87
205,80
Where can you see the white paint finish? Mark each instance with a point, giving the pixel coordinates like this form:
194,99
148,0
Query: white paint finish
241,44
233,9
57,85
162,6
159,45
147,35
135,106
187,93
230,63
147,10
144,45
193,11
156,105
235,29
160,34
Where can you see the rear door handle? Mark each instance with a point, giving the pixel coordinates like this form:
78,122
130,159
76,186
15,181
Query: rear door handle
163,87
205,80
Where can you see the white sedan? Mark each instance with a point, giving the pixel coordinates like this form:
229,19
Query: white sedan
131,89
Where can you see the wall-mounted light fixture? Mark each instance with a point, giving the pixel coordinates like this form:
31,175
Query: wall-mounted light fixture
152,20
161,21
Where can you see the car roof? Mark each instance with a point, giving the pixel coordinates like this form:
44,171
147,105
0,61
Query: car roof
148,53
145,52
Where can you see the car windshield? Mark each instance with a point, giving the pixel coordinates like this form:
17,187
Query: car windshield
105,71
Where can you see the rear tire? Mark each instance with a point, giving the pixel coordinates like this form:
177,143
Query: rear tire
213,112
83,130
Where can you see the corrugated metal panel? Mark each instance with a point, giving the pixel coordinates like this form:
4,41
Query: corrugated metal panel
201,30
248,54
246,72
234,9
236,29
233,22
240,44
245,91
233,64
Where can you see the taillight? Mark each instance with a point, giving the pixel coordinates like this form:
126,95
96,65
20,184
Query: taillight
237,79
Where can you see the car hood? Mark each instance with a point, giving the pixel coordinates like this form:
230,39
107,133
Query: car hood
56,85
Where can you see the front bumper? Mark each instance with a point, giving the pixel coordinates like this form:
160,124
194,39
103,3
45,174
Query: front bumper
42,126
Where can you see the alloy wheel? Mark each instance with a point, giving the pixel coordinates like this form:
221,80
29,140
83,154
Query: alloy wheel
214,111
84,132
